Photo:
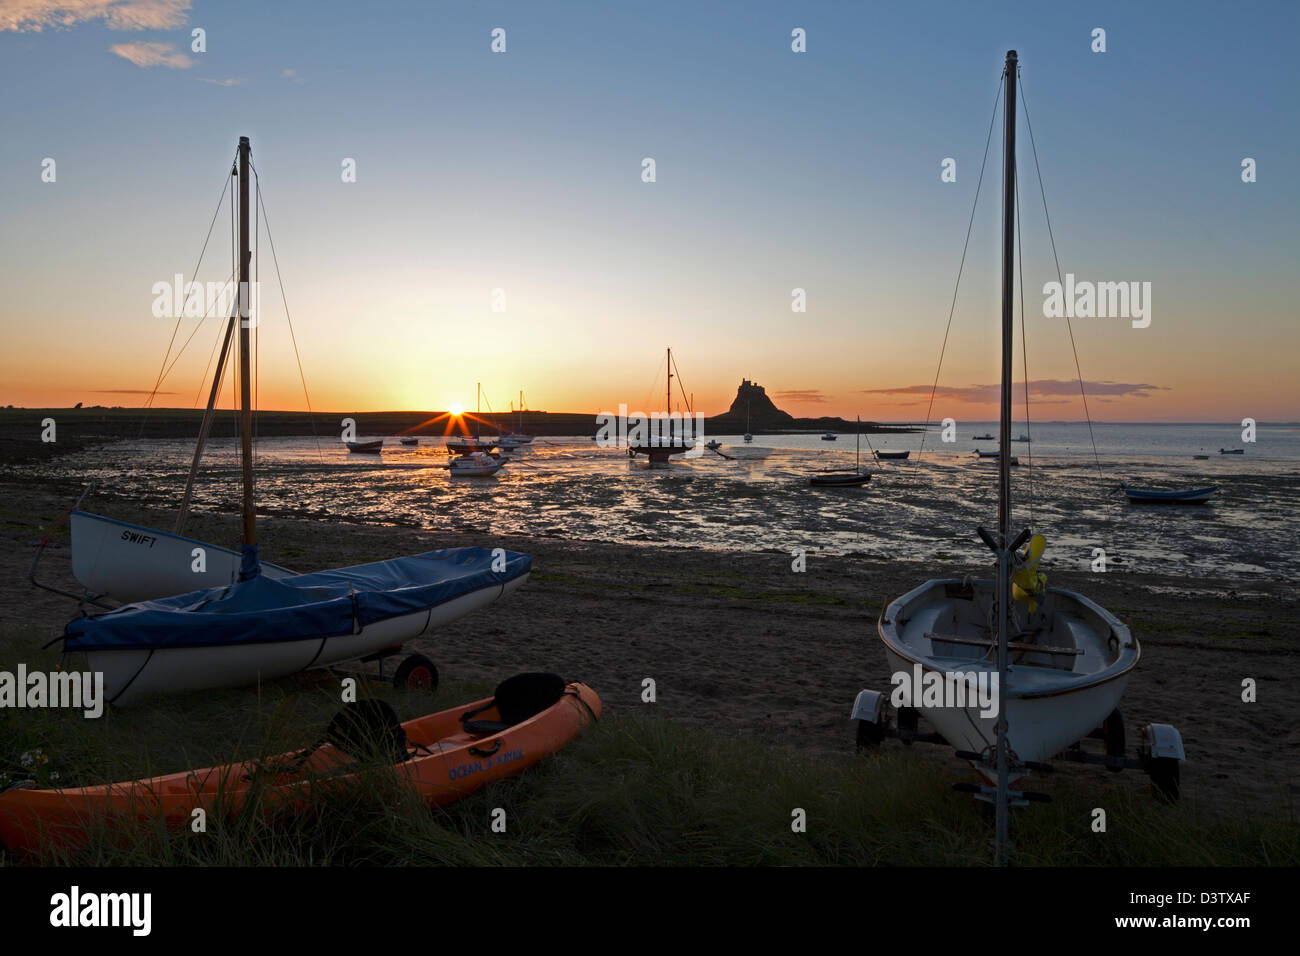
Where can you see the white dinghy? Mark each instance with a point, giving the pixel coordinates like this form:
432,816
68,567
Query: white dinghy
1010,672
234,620
1068,663
132,563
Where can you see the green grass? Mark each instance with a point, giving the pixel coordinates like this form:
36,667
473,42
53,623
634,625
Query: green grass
633,790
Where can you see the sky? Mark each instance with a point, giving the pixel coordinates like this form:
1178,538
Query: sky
775,170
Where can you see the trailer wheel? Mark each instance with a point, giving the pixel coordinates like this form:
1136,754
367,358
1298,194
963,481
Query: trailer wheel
1164,775
869,734
1112,735
908,722
416,672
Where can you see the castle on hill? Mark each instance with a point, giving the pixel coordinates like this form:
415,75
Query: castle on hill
752,401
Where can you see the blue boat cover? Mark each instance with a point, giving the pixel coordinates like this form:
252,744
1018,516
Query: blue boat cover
263,610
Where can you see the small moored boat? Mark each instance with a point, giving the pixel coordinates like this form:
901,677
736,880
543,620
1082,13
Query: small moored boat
475,465
366,447
1182,496
892,455
1232,451
844,479
467,446
410,441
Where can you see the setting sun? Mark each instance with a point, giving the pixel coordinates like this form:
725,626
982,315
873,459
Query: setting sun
456,411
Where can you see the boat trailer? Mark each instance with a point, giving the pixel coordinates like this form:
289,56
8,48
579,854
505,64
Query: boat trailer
1160,754
414,672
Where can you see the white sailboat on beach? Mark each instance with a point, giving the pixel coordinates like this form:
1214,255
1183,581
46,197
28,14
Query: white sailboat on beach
1057,662
234,619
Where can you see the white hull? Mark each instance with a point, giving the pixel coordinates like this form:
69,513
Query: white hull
131,675
1051,701
475,465
133,563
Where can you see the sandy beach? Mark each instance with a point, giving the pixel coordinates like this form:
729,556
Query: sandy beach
744,645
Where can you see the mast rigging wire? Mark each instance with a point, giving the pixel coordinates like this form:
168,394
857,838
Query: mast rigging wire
162,369
311,416
1043,191
965,247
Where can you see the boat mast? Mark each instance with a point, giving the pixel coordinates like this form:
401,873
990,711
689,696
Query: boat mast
1004,456
245,366
669,409
206,425
858,445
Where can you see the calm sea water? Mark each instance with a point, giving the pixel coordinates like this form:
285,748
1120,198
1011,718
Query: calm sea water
758,497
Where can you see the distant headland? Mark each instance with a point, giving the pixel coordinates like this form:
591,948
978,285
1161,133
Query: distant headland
752,410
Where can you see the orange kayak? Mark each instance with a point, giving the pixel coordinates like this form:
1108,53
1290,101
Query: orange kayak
444,756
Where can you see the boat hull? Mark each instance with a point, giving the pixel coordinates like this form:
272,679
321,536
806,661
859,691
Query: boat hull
131,563
449,763
1194,497
839,481
134,674
1048,707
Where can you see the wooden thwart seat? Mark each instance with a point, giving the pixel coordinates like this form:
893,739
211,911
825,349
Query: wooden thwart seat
1011,645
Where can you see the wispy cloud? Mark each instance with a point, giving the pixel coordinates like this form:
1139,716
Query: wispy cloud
36,15
802,395
150,54
128,391
1043,391
231,81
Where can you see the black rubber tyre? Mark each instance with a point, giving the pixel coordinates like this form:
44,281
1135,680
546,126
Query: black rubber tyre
416,672
1112,735
869,735
1164,774
908,722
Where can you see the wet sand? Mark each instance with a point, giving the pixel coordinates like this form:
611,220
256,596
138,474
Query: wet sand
741,643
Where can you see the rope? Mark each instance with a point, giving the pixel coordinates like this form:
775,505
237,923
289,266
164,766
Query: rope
653,385
198,393
682,388
292,337
206,313
1078,371
162,370
257,329
965,247
1024,347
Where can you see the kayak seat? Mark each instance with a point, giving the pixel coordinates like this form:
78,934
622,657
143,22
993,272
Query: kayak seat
516,699
368,730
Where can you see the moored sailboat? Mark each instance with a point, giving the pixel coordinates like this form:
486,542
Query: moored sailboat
844,479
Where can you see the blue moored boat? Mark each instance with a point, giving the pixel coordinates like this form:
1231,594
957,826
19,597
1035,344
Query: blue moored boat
1194,496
